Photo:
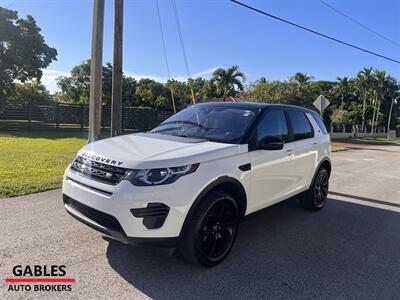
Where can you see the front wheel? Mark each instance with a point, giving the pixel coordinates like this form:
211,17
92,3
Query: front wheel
211,232
315,197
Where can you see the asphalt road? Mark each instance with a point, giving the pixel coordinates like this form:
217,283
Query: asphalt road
349,250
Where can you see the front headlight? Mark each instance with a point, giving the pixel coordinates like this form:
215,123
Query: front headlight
160,176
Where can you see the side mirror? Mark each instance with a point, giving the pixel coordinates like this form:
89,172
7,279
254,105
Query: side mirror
270,143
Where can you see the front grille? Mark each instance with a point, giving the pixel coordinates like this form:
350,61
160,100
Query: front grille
98,171
95,215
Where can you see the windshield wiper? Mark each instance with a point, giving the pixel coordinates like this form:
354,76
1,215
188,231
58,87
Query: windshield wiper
180,123
165,129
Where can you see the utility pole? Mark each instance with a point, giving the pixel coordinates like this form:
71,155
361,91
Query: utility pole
96,71
394,100
116,114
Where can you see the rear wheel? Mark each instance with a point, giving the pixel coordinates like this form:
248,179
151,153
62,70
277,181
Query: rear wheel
316,196
211,232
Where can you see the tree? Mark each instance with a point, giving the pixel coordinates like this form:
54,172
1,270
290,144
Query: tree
152,93
262,80
107,83
286,92
389,114
129,97
23,51
204,89
380,86
302,79
355,113
363,81
343,88
181,91
76,87
228,81
269,91
344,94
340,117
30,91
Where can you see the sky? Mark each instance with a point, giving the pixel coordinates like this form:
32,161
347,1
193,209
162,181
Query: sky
219,33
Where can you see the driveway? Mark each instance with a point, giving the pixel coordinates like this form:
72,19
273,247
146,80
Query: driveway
350,249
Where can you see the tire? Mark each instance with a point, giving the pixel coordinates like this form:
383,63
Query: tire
210,234
315,197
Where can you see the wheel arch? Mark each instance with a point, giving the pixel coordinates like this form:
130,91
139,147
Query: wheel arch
227,184
325,163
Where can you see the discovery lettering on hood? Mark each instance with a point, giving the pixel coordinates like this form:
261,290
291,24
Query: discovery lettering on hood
101,159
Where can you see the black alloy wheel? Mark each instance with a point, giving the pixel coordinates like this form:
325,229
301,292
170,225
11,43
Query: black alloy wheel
211,231
321,189
316,196
218,230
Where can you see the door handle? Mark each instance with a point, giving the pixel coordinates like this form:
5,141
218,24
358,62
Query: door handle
289,152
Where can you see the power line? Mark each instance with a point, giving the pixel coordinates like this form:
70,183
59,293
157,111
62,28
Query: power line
315,32
163,40
358,23
165,55
178,25
5,8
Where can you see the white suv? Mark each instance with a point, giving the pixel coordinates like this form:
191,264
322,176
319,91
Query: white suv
189,181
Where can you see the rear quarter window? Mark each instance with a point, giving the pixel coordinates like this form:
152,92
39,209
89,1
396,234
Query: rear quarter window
301,126
320,123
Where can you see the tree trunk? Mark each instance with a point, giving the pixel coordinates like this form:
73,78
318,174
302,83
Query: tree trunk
226,91
377,114
363,112
390,116
341,106
373,115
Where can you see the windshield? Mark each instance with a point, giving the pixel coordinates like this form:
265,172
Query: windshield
219,124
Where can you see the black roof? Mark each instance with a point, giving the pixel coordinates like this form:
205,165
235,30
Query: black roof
254,105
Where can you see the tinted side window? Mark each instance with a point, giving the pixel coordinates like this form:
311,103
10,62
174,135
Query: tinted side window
301,126
320,123
273,124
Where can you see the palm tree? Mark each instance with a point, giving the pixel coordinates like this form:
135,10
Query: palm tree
393,91
381,84
262,80
343,87
228,81
363,82
301,79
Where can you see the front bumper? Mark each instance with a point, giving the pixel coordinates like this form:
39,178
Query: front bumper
115,233
124,204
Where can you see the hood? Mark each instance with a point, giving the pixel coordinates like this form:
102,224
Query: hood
145,150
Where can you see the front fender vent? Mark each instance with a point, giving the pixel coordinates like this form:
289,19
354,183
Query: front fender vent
153,215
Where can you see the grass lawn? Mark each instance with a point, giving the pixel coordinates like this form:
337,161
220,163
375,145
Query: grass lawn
32,162
336,148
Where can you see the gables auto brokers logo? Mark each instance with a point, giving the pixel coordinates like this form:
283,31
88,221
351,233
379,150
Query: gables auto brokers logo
39,278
